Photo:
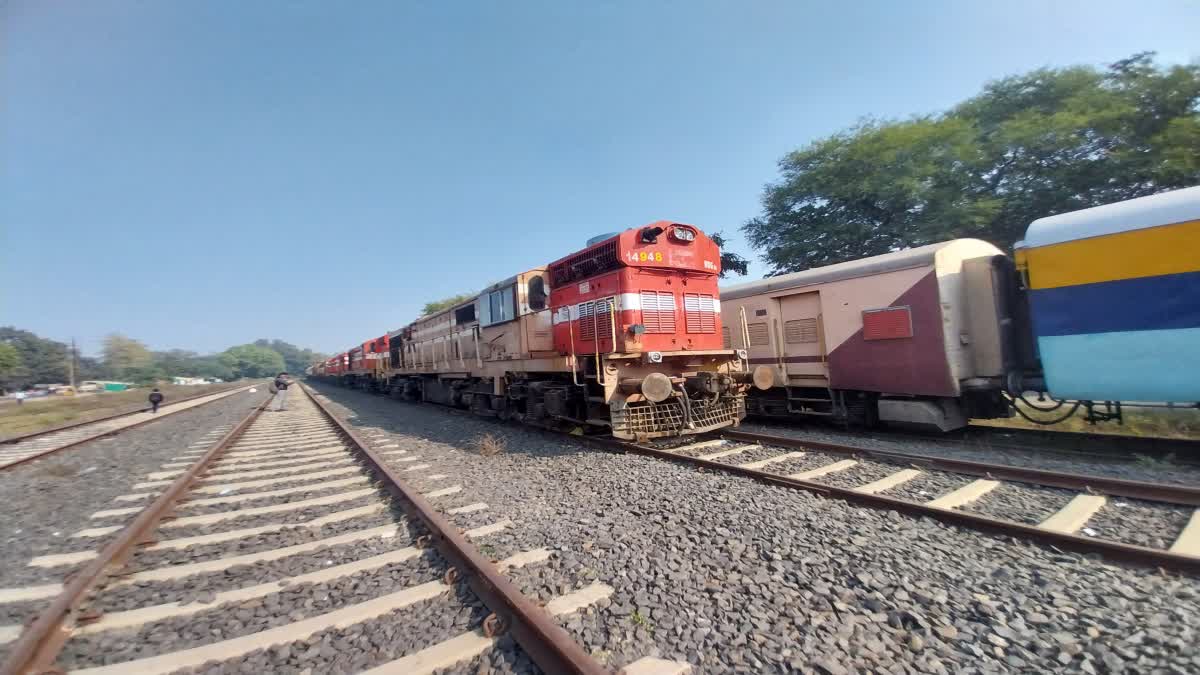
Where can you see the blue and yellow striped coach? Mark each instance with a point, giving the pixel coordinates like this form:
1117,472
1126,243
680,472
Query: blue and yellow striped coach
1114,294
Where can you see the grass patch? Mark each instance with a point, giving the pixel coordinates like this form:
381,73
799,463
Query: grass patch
44,413
488,550
1159,422
638,620
489,445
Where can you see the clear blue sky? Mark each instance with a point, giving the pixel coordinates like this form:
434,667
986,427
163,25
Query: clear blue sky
201,173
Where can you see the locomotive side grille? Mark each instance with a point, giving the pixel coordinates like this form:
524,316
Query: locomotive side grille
595,319
726,340
586,264
604,318
587,327
700,310
658,311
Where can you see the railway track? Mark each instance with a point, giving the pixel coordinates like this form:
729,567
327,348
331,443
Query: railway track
290,543
17,450
1068,444
1069,511
1154,524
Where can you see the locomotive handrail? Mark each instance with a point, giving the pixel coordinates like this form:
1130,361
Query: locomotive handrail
612,310
574,359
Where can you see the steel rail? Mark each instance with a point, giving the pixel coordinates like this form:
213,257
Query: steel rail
103,434
38,647
550,647
72,425
1158,492
1128,553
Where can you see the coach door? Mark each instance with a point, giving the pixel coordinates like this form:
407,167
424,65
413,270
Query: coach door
802,339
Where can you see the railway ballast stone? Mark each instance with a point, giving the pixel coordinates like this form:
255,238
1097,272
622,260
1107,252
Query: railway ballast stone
732,575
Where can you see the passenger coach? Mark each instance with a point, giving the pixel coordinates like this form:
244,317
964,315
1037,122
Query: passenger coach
1115,297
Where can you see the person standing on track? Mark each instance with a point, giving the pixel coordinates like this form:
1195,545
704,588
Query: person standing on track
20,398
281,387
156,399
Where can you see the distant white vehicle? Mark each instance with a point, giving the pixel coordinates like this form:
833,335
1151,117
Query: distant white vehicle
188,381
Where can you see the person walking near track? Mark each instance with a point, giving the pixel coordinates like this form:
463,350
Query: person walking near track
281,387
156,399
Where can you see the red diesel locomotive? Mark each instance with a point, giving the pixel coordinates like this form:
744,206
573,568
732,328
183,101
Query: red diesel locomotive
624,335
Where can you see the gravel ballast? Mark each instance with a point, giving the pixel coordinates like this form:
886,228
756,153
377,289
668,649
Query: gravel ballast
267,541
49,499
730,574
976,451
223,622
132,596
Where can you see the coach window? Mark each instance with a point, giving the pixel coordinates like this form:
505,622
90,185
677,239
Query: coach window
537,294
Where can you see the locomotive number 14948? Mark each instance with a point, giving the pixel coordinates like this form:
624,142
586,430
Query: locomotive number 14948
644,256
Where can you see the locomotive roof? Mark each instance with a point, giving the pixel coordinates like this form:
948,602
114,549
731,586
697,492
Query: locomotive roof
1165,208
888,262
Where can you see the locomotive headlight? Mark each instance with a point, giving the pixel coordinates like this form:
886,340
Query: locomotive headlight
654,357
742,354
684,234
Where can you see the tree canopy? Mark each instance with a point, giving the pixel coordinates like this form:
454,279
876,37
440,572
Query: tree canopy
252,361
1028,146
127,358
41,360
26,359
294,358
10,363
439,305
730,261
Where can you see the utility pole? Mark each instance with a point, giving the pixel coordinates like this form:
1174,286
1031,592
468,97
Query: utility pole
71,363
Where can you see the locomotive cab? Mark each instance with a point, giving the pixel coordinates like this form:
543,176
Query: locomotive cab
637,315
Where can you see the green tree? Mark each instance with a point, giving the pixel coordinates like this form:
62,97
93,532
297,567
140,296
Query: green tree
730,261
1028,146
212,366
438,305
252,361
125,356
10,363
176,362
42,361
295,358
